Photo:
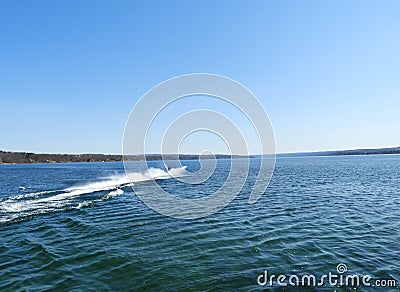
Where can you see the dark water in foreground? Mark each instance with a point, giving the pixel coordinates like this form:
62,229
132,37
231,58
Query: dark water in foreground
75,227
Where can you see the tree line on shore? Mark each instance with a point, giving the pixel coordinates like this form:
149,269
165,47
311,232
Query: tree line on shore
27,157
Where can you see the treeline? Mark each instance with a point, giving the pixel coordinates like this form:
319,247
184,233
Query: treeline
367,151
394,150
26,157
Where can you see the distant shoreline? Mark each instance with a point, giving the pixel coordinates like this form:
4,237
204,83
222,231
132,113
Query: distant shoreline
7,157
392,150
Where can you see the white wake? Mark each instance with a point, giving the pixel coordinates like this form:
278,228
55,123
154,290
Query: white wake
46,201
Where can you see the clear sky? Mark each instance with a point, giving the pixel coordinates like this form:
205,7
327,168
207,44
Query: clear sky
327,72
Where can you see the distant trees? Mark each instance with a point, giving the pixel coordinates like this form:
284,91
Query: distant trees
25,157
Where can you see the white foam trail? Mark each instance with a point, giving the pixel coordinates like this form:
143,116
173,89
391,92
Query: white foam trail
84,204
156,173
118,180
39,202
109,184
29,195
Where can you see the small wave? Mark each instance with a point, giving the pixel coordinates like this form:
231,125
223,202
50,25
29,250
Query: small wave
113,194
84,204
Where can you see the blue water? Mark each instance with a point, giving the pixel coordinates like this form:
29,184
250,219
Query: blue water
78,227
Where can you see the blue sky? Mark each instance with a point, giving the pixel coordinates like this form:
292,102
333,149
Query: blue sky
327,72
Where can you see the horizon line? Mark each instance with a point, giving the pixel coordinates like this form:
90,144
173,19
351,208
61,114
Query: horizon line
249,154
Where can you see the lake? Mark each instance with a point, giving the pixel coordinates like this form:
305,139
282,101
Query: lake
79,226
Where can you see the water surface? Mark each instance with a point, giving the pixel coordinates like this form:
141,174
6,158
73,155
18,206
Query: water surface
77,226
